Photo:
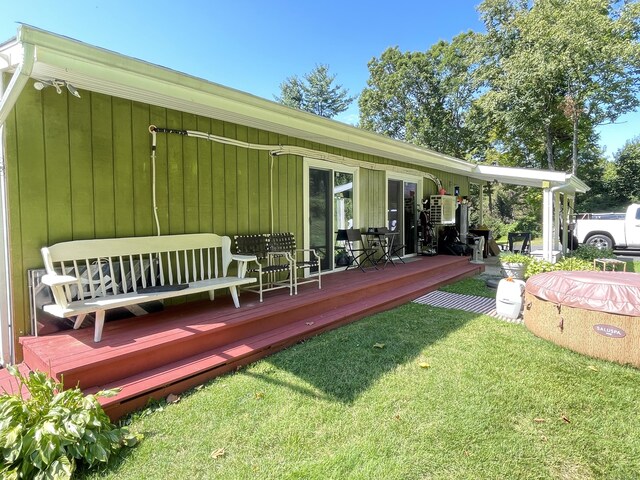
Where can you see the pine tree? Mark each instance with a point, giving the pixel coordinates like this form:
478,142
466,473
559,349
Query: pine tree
315,93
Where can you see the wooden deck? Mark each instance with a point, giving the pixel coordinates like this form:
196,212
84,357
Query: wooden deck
187,344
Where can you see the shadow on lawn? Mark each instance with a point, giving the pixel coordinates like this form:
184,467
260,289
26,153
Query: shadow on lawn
343,363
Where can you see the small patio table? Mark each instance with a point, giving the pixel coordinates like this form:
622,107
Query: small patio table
385,240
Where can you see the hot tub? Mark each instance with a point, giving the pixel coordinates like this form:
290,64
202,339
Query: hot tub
594,313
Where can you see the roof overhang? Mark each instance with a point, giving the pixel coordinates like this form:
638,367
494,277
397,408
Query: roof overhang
530,177
95,69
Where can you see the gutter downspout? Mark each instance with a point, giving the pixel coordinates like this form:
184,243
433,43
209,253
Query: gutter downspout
8,99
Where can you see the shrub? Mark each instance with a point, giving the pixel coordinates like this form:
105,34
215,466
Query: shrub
538,266
570,263
508,257
46,434
574,264
589,253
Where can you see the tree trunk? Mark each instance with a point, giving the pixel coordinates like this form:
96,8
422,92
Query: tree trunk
574,151
549,147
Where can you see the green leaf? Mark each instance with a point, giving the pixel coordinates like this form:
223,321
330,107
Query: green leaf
89,436
108,393
60,469
43,434
10,474
98,452
75,430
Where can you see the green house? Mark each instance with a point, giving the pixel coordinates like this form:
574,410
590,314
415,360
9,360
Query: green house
77,163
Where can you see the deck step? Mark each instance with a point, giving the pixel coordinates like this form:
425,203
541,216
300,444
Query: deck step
187,344
189,372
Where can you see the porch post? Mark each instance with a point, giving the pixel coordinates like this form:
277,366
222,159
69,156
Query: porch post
547,225
481,205
556,221
6,328
565,223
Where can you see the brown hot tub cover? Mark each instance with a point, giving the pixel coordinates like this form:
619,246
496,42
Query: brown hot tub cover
611,292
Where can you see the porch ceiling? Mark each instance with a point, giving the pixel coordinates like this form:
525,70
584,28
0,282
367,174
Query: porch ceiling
94,69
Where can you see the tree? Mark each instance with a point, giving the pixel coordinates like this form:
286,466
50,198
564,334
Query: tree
315,93
557,68
426,97
627,162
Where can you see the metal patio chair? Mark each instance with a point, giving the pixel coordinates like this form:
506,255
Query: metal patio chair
269,268
303,258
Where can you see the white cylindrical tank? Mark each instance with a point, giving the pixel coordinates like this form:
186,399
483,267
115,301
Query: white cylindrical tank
509,297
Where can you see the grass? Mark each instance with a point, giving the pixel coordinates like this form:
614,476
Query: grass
633,266
470,286
416,392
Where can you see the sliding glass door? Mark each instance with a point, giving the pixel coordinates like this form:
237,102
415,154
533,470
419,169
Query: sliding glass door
331,207
402,213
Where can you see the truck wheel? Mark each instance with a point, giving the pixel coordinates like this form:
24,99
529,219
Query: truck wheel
600,241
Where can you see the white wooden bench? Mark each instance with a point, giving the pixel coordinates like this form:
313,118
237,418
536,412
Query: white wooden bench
93,276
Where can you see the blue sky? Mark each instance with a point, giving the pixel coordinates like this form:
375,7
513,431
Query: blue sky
253,45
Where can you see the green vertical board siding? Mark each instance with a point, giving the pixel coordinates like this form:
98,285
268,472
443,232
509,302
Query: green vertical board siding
32,185
294,197
380,194
123,160
142,198
80,152
157,116
102,165
242,183
265,162
230,181
365,207
58,173
218,179
174,180
373,199
190,175
205,204
81,168
254,172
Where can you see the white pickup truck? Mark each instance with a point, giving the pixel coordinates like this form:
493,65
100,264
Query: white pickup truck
609,230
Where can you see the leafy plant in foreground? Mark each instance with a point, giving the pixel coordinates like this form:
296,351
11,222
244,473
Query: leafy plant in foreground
45,435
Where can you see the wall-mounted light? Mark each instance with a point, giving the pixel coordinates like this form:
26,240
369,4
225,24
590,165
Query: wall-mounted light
57,84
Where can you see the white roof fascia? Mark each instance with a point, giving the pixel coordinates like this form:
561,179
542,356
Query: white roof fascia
530,177
92,68
102,71
11,55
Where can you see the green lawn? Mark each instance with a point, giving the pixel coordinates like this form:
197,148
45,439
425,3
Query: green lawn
633,266
417,392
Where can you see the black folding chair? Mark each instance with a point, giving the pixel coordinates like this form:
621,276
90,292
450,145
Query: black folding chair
520,242
362,254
